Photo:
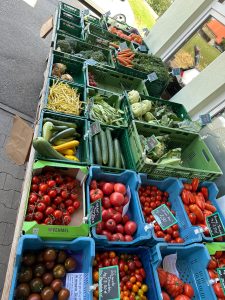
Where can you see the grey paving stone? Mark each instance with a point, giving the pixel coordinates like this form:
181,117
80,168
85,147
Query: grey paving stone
2,276
6,198
4,257
2,232
2,179
8,236
16,200
12,183
2,139
7,215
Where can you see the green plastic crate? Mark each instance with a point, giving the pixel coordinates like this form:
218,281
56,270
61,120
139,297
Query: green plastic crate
81,91
77,20
74,67
70,28
80,45
92,34
117,83
177,108
196,157
83,149
120,25
94,20
60,232
68,8
156,88
114,99
122,135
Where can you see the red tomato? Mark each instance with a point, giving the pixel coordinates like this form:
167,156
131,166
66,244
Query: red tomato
130,227
31,208
57,214
116,199
41,206
107,188
110,225
96,194
66,219
218,290
68,202
128,238
175,234
58,200
93,185
185,197
188,290
162,276
51,183
48,221
107,234
46,200
192,218
38,216
73,196
182,297
120,188
106,202
125,219
35,179
212,263
105,215
212,274
52,193
117,217
165,296
34,187
179,240
167,238
29,217
159,234
49,211
70,209
204,191
64,194
218,254
195,184
175,227
100,227
33,198
76,204
43,187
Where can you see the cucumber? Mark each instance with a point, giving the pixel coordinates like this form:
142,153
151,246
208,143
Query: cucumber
62,135
47,130
104,147
60,123
97,150
117,153
45,149
58,128
123,165
110,147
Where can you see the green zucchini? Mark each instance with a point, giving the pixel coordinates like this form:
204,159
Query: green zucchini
45,149
104,147
117,153
47,130
110,147
97,150
59,128
62,135
60,123
123,165
77,135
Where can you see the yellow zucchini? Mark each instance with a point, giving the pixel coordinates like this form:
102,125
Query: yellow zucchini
71,157
68,145
67,151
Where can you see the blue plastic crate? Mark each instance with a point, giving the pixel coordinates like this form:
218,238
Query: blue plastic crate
213,192
145,256
83,248
129,178
192,261
174,187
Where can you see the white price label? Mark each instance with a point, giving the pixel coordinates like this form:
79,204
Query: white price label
77,283
152,76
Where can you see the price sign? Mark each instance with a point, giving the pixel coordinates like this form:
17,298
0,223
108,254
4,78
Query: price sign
205,119
109,285
164,217
95,128
176,72
86,12
91,62
215,225
152,77
77,284
142,48
221,273
95,215
151,142
123,46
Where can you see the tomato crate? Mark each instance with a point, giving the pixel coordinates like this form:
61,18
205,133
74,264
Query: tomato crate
69,9
94,20
69,28
130,179
213,192
71,47
82,151
112,99
81,90
173,187
121,135
113,81
192,261
177,108
74,67
145,258
81,249
195,155
74,19
77,227
93,32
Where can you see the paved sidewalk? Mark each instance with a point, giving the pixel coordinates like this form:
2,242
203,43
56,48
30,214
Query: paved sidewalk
11,180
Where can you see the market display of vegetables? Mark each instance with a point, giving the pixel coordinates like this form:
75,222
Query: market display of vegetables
107,110
131,272
131,37
59,140
143,62
42,273
53,199
217,261
173,286
64,98
150,198
198,205
107,150
115,225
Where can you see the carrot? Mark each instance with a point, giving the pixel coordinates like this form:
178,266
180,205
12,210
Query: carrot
114,45
122,61
128,54
132,56
125,51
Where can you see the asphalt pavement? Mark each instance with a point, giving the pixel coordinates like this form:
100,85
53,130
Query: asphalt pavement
23,53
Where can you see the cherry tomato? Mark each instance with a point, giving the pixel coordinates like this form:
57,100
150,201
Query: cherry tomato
64,194
52,193
57,214
51,183
68,202
46,200
48,221
43,187
38,216
175,234
35,179
66,219
70,209
73,196
34,188
33,198
49,211
58,200
41,206
76,204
